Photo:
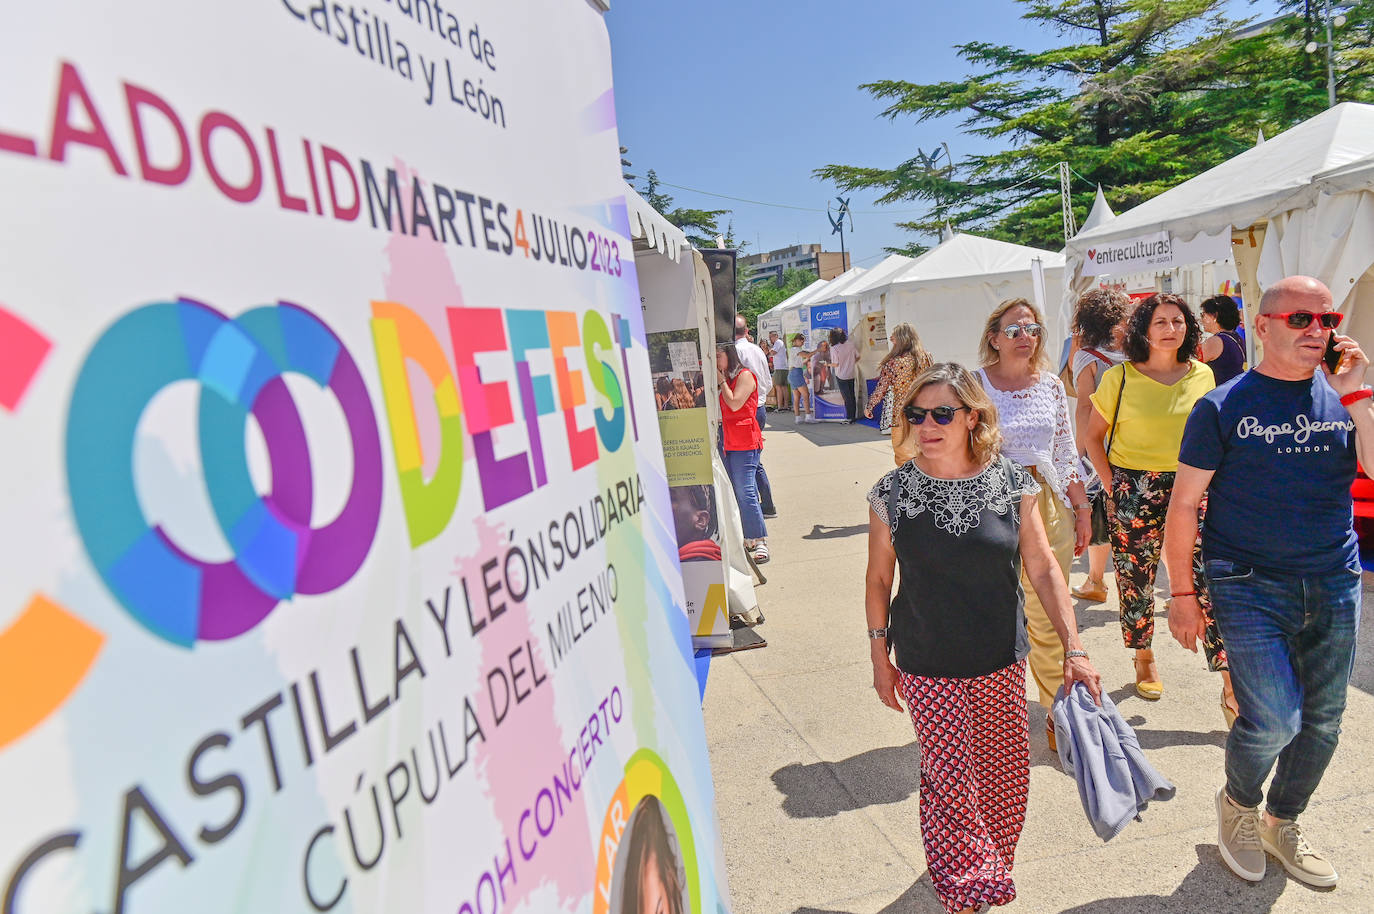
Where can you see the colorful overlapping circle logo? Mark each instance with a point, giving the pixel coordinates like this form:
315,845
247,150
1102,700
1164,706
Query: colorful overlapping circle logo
239,364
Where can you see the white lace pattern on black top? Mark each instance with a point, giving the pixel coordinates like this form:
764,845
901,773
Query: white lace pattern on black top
956,506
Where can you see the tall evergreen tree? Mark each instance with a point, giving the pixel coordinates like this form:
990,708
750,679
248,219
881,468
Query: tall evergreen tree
1143,95
700,225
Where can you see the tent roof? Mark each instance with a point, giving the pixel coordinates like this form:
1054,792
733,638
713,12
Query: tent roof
822,290
794,298
1358,175
1101,212
879,275
966,256
649,227
1267,179
833,290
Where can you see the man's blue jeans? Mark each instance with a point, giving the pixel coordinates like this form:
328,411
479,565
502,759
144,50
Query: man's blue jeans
1290,642
742,467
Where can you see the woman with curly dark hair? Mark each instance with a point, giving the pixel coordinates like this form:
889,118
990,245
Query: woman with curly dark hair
1140,408
1099,324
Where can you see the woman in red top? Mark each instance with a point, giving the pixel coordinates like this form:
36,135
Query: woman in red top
743,442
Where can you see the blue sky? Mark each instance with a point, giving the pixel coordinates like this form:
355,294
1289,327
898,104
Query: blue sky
746,98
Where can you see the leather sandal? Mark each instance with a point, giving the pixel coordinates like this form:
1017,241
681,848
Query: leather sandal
1148,689
1226,710
1049,734
1092,591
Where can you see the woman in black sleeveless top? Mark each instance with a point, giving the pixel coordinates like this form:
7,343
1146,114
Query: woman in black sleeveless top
1223,352
958,520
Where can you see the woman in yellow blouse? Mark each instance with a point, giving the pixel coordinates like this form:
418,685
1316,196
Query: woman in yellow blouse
1140,408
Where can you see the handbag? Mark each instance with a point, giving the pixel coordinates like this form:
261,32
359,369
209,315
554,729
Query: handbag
1098,519
889,404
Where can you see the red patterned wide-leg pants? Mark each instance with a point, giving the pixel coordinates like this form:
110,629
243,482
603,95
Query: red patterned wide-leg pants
975,776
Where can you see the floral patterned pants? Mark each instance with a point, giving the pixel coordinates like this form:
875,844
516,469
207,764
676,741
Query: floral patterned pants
975,778
1137,504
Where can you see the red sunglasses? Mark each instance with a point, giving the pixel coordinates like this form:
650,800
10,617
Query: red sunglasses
1301,320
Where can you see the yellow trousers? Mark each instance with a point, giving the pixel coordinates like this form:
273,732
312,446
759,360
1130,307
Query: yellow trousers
1046,650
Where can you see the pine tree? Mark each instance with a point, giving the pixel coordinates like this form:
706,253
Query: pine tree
1144,94
700,225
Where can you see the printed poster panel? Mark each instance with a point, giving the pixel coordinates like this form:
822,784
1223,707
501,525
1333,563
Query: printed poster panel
338,569
794,321
680,396
877,329
678,316
824,384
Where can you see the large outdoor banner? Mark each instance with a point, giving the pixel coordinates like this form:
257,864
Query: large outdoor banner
337,565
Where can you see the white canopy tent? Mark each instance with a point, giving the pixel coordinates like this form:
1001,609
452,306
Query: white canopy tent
1301,202
649,228
793,313
867,321
867,294
772,318
948,292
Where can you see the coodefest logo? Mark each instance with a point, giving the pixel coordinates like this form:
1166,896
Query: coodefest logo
239,364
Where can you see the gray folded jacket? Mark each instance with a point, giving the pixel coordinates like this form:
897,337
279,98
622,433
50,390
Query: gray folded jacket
1115,782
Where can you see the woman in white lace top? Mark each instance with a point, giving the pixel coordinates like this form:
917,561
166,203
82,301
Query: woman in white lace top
1033,413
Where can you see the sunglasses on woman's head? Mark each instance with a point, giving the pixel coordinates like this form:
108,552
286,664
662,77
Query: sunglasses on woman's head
1012,331
1301,320
943,415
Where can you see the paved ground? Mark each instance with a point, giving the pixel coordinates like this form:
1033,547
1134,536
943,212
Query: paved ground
816,781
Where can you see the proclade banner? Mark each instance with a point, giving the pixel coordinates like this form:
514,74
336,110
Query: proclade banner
337,565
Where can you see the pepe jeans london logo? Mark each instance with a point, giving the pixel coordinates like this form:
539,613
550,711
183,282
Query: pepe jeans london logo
1299,432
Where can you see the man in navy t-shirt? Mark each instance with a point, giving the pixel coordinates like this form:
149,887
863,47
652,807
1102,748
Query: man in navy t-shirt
1275,450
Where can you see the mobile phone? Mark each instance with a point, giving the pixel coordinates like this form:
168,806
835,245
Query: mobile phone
1332,355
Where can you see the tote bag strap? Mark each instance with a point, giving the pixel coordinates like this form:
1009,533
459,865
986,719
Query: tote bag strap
1120,394
892,502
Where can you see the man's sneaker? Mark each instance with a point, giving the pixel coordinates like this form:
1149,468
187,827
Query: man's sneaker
1238,838
769,514
1284,840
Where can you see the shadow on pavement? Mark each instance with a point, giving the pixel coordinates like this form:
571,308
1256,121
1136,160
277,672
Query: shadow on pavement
1095,615
1209,886
919,899
889,774
822,532
827,434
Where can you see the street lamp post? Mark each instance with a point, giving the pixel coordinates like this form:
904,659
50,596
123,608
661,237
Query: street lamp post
1330,46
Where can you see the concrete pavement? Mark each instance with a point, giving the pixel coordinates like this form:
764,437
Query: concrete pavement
816,781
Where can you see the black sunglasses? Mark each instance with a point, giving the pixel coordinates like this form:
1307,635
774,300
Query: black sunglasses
944,415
